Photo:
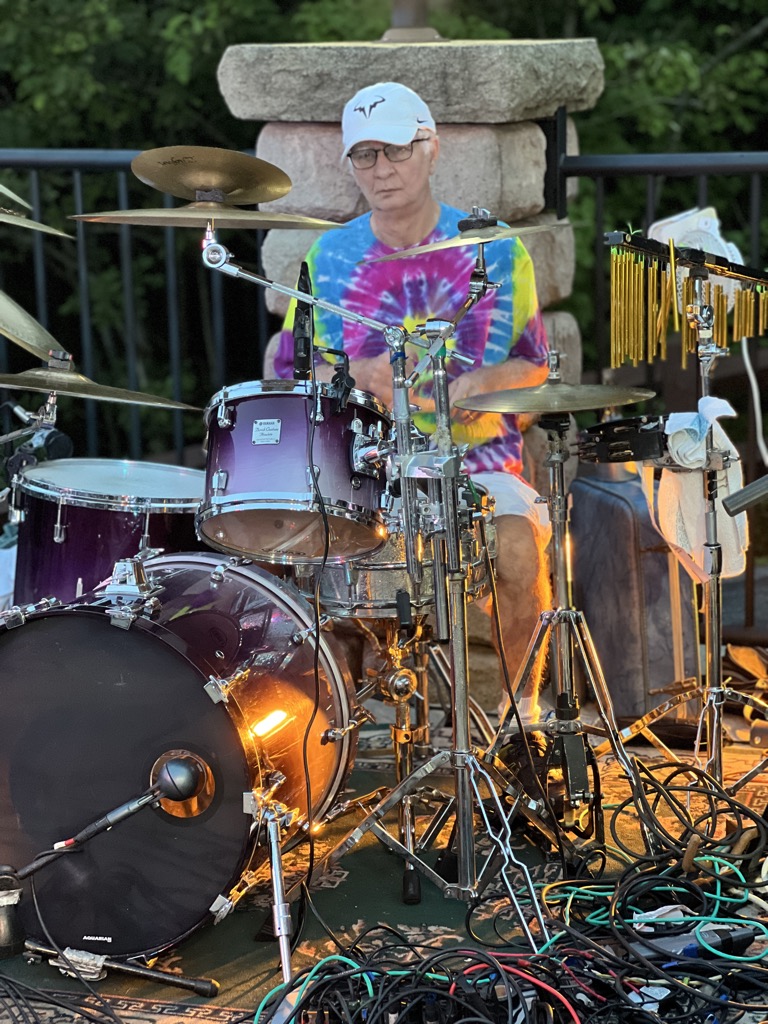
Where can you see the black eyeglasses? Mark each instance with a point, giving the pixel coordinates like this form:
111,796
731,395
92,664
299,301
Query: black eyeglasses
364,159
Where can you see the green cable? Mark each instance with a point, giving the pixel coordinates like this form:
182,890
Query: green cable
732,956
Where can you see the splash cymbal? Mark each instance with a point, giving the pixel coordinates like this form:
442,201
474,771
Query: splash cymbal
472,237
554,396
18,220
19,326
187,171
69,382
199,215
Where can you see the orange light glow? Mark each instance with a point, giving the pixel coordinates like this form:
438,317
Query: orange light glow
271,723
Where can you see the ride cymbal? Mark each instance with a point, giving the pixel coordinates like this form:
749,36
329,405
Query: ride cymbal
554,396
18,220
69,382
472,237
232,177
20,327
199,215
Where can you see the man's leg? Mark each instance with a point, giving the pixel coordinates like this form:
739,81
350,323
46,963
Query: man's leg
523,591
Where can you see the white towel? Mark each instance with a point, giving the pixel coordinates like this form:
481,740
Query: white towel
680,500
7,576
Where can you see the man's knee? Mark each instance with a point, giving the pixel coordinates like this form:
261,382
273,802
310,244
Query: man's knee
521,561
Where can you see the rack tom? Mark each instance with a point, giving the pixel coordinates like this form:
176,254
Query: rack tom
262,498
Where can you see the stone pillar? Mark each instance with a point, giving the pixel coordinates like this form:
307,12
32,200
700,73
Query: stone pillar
485,97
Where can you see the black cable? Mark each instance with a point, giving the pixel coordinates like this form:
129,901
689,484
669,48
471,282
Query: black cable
65,959
301,915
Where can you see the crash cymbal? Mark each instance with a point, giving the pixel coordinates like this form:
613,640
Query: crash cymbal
12,195
474,237
186,171
18,220
554,396
19,326
199,215
69,382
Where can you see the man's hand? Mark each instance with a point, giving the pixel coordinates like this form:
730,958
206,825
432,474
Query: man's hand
375,376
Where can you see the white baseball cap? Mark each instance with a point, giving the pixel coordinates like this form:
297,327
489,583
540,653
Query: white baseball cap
385,112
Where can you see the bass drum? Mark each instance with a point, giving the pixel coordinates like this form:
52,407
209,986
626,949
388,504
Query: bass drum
223,673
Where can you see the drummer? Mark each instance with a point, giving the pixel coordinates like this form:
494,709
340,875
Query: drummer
391,148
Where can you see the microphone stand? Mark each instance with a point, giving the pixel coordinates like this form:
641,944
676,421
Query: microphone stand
174,783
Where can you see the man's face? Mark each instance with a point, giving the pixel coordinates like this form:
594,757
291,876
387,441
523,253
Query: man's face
397,187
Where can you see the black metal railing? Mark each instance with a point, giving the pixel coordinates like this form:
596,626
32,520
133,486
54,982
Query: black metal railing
193,332
155,338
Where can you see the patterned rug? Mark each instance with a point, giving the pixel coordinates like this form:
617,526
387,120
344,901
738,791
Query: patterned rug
357,900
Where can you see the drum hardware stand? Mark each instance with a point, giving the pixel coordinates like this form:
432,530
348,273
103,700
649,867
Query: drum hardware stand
566,629
700,316
266,810
442,467
44,418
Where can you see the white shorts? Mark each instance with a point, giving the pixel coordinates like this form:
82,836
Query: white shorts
514,497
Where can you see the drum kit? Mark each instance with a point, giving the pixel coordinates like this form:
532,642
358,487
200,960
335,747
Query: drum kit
165,616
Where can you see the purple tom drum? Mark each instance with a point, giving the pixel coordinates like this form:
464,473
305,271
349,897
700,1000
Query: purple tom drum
216,665
260,499
77,517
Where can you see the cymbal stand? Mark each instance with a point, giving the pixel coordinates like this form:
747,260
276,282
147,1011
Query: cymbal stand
442,468
566,629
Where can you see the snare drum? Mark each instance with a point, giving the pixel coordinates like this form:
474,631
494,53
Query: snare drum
367,588
77,517
223,673
260,499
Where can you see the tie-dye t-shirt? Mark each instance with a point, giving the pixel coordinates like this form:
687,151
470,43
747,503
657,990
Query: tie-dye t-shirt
505,324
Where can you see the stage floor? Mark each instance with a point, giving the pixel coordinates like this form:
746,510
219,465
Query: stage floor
363,890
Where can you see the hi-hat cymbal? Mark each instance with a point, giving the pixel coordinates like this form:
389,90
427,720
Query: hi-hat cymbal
554,396
473,237
18,220
69,382
19,326
199,215
186,171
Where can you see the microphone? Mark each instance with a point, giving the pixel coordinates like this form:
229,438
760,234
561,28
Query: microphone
303,329
56,444
180,778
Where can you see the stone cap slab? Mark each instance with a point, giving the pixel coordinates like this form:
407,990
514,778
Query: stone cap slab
463,81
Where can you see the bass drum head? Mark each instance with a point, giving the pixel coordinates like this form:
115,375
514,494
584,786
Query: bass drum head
91,711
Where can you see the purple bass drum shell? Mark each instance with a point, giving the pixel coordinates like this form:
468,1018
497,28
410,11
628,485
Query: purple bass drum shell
219,669
77,517
259,496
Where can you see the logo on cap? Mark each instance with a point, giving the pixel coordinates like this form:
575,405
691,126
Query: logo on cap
366,111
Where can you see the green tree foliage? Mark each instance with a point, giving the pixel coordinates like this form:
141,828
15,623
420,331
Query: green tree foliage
101,73
138,75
